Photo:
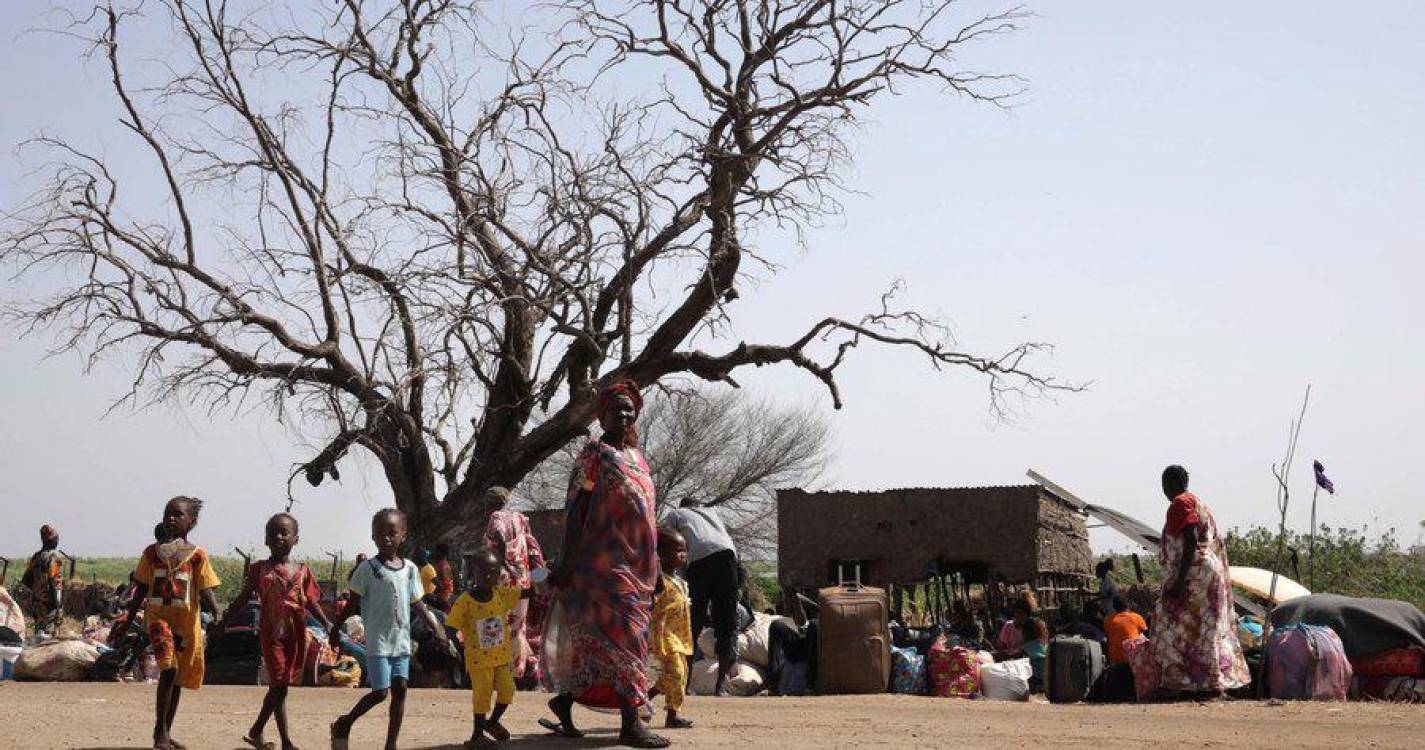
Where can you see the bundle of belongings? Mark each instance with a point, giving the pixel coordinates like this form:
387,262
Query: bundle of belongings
754,667
1383,641
931,662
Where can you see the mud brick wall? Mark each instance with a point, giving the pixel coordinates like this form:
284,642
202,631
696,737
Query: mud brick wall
902,532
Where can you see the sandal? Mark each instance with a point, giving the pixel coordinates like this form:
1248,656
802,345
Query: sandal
642,738
339,742
259,743
678,722
560,730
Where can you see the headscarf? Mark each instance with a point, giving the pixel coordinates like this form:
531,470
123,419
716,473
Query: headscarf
620,388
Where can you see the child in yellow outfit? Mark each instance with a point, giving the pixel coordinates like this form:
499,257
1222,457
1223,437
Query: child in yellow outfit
671,639
480,614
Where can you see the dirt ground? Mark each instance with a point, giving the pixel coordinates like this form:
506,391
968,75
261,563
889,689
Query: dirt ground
102,716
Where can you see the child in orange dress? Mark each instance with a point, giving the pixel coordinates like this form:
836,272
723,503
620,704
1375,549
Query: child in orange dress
287,591
174,584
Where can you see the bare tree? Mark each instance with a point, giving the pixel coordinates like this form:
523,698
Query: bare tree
722,447
434,233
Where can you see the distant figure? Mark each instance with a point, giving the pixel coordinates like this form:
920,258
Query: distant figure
1036,649
444,576
174,584
712,578
1122,626
1013,634
1195,630
1084,624
1106,588
672,638
967,627
287,593
508,533
44,576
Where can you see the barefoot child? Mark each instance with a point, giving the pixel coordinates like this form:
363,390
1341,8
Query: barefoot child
480,614
174,584
671,638
386,589
286,591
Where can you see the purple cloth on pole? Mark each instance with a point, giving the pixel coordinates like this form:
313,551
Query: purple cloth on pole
1321,480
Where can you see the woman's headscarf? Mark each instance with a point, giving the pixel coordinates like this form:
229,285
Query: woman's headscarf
626,388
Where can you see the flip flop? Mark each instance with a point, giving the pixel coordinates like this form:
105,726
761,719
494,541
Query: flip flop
338,743
559,729
259,744
645,739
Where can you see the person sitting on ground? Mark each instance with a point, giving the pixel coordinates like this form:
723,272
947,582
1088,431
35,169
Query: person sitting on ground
387,591
175,583
44,576
1036,649
1122,626
1072,621
967,627
671,640
1012,634
287,593
480,614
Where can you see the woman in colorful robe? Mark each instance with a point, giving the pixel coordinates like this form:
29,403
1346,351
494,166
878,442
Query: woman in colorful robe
508,531
606,575
1194,640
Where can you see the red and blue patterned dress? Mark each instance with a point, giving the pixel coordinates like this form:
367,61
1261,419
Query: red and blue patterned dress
608,603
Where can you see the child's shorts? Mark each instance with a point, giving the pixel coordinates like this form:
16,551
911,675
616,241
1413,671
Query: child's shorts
485,681
381,670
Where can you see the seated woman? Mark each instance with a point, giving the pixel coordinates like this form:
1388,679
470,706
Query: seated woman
1036,649
1013,634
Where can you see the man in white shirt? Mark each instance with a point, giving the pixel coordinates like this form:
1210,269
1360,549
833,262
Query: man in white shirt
712,578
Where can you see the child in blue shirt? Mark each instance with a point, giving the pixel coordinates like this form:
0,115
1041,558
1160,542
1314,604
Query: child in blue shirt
386,589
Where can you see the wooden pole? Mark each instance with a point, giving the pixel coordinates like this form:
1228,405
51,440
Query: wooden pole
1311,546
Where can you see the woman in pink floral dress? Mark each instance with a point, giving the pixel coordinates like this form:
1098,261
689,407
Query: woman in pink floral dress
509,530
1194,640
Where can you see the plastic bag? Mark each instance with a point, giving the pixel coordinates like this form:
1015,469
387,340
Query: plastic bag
1006,680
753,645
742,679
556,653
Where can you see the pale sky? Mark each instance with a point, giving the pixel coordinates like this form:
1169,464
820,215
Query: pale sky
1205,207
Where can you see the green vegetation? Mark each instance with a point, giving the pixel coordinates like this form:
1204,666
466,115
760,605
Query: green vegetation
1348,561
115,570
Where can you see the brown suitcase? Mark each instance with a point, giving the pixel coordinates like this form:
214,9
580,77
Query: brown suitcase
853,639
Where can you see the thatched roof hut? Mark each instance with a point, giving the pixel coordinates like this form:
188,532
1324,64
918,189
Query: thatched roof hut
1016,535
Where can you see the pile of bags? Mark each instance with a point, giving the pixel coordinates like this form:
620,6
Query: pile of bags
746,677
947,670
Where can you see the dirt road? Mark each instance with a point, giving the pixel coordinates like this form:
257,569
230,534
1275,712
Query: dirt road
34,716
